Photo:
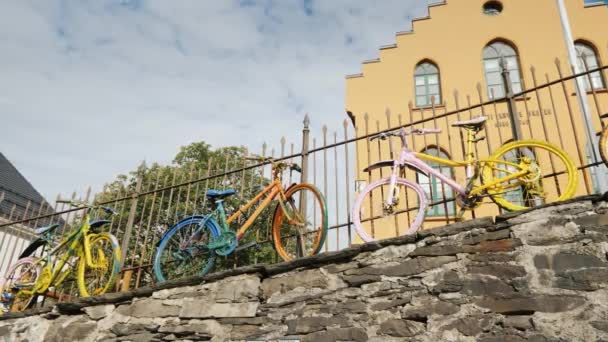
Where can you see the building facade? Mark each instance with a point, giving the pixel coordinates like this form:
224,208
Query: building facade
451,60
18,200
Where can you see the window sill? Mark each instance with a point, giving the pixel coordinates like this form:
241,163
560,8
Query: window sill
440,106
597,91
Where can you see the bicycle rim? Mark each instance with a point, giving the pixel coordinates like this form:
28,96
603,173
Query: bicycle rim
17,289
182,252
374,219
604,146
553,176
303,229
97,278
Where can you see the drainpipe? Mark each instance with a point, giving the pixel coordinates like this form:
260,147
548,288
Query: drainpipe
581,95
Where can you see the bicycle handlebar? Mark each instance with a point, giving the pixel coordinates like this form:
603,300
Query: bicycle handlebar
396,133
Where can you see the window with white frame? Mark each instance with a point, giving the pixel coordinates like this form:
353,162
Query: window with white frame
492,56
426,82
587,60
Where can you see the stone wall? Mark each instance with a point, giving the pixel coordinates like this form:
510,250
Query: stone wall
541,275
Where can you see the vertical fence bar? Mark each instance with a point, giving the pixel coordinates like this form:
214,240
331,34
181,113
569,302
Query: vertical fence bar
347,183
127,236
337,200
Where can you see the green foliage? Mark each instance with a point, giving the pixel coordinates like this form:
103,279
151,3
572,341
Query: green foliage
198,168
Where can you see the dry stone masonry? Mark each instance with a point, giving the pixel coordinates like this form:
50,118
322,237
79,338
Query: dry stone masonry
540,275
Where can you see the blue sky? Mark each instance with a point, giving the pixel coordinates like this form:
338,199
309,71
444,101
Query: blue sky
89,88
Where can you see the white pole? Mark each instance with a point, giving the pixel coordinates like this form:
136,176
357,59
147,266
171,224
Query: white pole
581,95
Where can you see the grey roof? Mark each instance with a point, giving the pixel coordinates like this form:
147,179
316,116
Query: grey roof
17,192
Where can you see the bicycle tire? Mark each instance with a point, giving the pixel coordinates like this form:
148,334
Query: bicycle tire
361,199
210,226
497,193
282,234
20,300
110,265
603,145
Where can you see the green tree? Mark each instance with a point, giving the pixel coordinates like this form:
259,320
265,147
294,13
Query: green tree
162,204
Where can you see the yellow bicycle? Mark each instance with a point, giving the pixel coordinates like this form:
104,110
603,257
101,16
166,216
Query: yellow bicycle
514,177
96,256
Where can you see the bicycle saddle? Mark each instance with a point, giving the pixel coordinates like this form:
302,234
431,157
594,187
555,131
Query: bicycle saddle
219,194
43,230
476,123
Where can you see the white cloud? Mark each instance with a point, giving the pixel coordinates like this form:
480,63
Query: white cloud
89,88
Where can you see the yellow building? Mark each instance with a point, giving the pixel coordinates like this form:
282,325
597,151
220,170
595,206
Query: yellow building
450,61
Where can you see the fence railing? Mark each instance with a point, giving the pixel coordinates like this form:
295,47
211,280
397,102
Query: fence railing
154,197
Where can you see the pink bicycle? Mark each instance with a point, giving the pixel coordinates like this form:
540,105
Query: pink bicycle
513,177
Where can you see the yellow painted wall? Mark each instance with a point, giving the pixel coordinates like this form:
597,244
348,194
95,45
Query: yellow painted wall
453,37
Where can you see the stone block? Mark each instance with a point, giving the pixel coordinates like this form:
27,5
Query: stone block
337,334
202,308
486,286
306,325
385,305
98,312
421,309
530,304
504,245
401,328
406,268
148,307
501,271
566,261
315,278
358,280
583,279
519,322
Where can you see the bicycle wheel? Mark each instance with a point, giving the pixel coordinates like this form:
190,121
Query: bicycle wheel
98,278
299,228
183,251
373,218
552,176
17,288
604,146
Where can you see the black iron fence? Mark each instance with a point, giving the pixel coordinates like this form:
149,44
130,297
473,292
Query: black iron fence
153,198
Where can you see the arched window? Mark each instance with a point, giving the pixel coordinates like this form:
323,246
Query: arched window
587,60
435,190
492,54
426,81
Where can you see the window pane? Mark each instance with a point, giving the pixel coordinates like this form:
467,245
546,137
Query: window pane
511,63
421,101
596,80
419,80
591,62
514,76
433,89
497,90
494,78
433,79
421,90
491,65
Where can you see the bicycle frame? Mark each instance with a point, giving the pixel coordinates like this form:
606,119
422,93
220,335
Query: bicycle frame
77,244
415,160
272,191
